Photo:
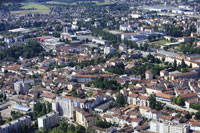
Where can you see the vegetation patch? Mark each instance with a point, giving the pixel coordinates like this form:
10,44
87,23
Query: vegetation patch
34,6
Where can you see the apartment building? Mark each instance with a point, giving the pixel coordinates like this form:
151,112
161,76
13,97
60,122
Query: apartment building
84,118
167,127
16,125
47,121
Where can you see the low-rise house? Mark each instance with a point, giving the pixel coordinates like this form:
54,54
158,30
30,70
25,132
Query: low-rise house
184,75
153,114
134,121
99,41
143,100
48,96
163,97
188,96
132,99
185,39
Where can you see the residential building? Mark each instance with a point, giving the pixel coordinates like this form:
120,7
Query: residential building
65,106
16,125
21,87
132,99
125,27
100,41
122,47
109,50
47,121
148,75
153,114
168,127
184,75
48,97
84,118
163,97
198,27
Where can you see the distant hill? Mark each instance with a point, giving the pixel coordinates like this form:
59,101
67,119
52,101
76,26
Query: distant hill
8,1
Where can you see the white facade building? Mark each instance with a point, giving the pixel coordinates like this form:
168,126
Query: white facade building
122,47
21,87
99,41
65,106
167,127
198,27
47,121
109,50
16,125
125,27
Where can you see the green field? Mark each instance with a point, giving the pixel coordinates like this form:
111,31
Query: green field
59,3
102,3
34,6
56,3
7,4
160,42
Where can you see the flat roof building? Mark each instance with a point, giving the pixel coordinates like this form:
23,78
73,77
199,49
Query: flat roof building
16,125
47,121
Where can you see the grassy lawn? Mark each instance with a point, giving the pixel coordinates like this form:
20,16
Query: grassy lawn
160,42
34,6
56,3
6,4
59,3
101,3
98,3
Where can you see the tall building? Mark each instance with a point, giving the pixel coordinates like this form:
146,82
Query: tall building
21,87
16,125
47,121
109,50
198,27
65,106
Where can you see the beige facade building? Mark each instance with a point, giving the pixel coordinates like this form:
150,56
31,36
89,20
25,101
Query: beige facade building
84,118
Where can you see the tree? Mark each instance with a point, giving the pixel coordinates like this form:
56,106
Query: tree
121,101
103,124
49,107
155,104
183,65
152,101
24,128
40,109
1,120
63,126
197,115
174,65
71,129
180,101
79,129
